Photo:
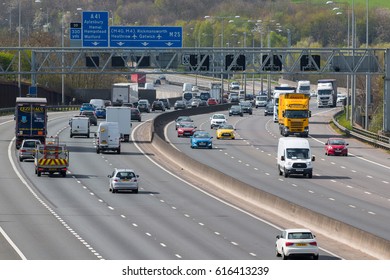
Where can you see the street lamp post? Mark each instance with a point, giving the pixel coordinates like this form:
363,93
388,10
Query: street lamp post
351,38
19,45
222,45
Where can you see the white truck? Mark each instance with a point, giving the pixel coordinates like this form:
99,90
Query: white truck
294,157
303,87
326,93
121,115
283,88
216,91
122,93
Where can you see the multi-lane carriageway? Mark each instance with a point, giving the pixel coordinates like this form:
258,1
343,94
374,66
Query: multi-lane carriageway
78,218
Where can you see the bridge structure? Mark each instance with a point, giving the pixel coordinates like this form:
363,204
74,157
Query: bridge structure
205,61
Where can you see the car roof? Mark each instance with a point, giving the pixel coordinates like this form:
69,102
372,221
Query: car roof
123,170
297,230
35,140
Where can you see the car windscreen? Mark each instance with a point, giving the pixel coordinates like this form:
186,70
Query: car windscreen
297,153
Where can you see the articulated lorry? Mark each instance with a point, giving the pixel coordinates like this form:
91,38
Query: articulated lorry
326,93
294,114
278,90
31,119
122,93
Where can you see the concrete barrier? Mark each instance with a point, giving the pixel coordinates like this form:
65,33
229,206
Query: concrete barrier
356,238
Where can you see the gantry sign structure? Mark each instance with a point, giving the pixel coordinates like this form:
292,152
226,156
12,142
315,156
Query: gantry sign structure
207,61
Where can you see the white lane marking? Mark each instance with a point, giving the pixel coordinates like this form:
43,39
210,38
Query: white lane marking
24,182
13,245
212,196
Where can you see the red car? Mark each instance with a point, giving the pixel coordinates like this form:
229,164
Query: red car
186,129
212,101
336,146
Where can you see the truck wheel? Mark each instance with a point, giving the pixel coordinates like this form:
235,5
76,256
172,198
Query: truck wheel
280,171
39,173
118,151
97,150
63,173
310,175
285,173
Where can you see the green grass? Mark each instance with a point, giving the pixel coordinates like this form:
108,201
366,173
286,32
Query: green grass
343,121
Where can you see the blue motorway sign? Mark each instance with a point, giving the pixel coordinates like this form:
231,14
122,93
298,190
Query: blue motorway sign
95,29
146,37
75,31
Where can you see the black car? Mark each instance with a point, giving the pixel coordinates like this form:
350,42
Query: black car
246,107
135,114
236,110
143,105
158,105
166,102
269,109
202,103
179,104
91,115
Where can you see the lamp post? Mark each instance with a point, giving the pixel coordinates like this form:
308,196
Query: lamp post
351,38
19,45
222,45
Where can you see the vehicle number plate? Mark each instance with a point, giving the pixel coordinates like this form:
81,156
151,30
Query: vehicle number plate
301,244
299,170
104,142
202,144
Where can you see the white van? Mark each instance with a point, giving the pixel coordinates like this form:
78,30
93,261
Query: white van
294,157
98,103
261,100
187,87
79,126
108,137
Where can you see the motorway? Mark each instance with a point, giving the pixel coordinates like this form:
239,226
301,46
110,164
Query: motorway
78,218
353,189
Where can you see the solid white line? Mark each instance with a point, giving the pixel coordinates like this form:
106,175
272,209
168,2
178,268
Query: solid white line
13,245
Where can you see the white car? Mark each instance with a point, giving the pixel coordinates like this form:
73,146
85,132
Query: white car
341,97
234,86
123,179
296,242
217,120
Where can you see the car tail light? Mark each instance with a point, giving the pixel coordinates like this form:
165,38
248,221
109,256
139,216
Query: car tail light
116,180
22,150
313,243
289,244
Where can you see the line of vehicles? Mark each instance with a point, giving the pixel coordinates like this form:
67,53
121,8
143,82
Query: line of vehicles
294,154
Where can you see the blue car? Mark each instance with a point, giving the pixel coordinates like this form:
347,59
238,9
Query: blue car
87,107
100,113
201,139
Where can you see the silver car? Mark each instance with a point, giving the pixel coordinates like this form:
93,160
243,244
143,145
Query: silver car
123,179
27,149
